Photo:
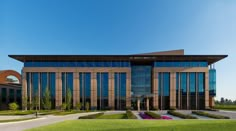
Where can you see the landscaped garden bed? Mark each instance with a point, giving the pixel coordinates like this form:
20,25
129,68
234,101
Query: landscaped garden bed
184,116
201,113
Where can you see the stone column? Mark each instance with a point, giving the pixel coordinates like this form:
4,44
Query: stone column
128,89
93,90
111,100
138,104
155,89
206,90
172,90
24,90
58,90
76,89
147,102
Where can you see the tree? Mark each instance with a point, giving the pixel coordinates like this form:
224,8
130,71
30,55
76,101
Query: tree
35,102
63,106
222,100
13,106
68,98
87,106
78,106
47,104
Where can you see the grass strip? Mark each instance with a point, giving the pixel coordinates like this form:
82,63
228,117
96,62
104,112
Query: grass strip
130,115
184,116
93,116
14,120
201,113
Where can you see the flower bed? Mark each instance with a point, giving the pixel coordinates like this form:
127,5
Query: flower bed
145,116
148,116
166,118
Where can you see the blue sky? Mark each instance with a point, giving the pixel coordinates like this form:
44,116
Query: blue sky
121,27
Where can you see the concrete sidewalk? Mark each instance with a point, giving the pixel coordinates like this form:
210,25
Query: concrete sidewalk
45,120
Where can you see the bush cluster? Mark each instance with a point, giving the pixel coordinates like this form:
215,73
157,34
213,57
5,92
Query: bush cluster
130,115
153,115
181,115
93,116
201,113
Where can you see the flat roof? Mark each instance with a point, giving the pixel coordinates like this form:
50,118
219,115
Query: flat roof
132,58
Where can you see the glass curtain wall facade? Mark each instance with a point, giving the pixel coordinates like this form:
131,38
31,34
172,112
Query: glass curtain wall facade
120,91
85,88
141,76
190,90
37,82
164,90
67,87
102,90
212,82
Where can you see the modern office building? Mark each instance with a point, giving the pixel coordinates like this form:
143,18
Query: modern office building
10,91
159,80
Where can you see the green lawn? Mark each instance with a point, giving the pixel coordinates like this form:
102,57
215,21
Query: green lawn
225,107
113,116
141,125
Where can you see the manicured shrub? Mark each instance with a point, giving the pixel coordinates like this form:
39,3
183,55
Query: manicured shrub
130,115
174,113
201,113
13,106
93,116
153,115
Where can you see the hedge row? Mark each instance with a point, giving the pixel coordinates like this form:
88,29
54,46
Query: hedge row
93,116
130,115
201,113
181,115
153,115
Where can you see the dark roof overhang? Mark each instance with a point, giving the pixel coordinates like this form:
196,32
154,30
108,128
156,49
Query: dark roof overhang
133,58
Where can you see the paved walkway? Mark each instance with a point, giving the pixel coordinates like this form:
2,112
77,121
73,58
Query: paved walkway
45,120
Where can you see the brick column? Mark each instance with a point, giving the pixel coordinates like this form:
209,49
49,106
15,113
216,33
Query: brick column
76,89
147,103
206,90
24,89
155,89
128,89
93,90
111,90
58,90
172,90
